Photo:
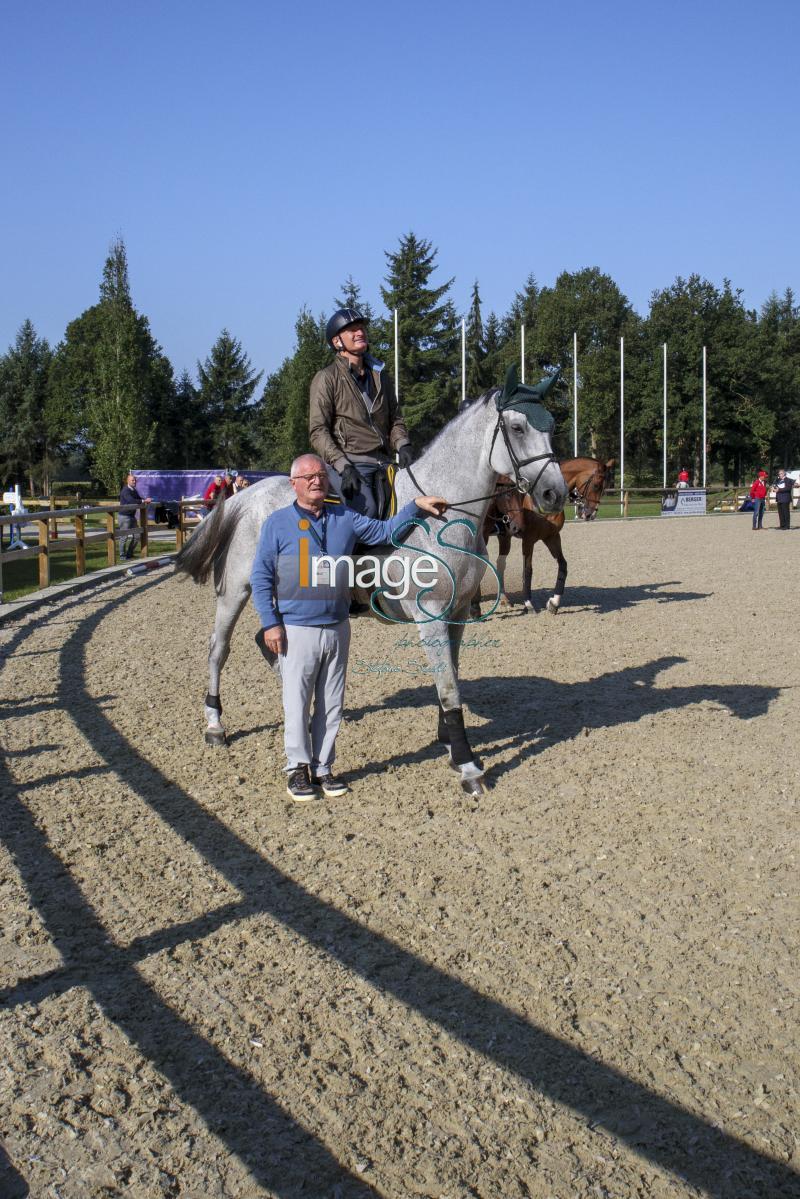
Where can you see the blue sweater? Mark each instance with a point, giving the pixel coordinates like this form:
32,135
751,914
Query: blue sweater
280,577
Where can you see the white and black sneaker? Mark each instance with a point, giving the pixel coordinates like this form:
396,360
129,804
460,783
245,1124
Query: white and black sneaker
299,785
331,786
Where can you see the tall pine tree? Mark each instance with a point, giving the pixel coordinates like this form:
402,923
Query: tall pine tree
351,298
284,415
428,334
27,447
227,383
475,346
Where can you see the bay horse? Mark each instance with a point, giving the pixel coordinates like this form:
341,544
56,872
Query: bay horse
492,437
513,515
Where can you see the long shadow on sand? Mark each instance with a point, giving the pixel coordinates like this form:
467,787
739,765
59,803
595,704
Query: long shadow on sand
280,1153
602,599
531,713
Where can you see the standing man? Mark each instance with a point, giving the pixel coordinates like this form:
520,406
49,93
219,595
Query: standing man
354,419
127,520
758,494
308,627
783,498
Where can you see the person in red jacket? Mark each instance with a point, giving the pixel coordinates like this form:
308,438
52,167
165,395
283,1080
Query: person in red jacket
214,492
758,494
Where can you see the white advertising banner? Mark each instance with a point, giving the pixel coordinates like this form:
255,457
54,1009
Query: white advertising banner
686,501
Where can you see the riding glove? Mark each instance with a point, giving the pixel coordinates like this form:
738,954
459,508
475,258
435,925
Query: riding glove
351,482
405,456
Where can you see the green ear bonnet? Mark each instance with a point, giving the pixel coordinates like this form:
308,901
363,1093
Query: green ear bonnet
527,399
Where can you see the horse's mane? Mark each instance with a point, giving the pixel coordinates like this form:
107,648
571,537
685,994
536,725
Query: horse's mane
464,409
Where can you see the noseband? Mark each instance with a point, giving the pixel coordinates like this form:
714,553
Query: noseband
580,495
522,485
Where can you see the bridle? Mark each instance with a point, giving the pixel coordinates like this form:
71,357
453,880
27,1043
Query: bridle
521,485
580,495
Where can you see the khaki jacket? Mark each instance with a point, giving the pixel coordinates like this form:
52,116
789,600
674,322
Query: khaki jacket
339,426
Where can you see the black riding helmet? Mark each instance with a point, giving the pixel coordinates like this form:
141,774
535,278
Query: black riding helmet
340,320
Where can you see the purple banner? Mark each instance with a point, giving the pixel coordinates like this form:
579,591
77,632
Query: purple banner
185,484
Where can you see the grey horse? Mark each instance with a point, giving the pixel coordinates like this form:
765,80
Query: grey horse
489,438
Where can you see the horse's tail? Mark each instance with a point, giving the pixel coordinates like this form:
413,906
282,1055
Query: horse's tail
208,546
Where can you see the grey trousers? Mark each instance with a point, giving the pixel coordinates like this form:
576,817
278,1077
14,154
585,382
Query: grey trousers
127,520
314,667
364,500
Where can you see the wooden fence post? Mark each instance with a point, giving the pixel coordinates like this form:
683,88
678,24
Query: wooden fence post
80,545
111,544
625,502
179,530
51,503
44,554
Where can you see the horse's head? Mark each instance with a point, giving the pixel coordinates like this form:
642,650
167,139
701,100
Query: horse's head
522,446
587,479
507,507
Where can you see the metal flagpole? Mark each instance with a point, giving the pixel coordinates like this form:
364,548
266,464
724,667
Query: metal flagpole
463,362
664,483
574,395
396,356
704,417
522,356
621,425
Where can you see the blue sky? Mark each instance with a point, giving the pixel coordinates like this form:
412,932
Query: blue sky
253,155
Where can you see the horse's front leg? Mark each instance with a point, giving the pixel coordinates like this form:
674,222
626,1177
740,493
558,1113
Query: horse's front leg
554,546
528,543
442,644
503,550
229,607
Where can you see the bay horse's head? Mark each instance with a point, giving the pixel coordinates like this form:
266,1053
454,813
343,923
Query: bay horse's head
587,479
506,510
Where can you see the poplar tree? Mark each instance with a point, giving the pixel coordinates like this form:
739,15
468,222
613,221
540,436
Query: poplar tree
117,409
112,388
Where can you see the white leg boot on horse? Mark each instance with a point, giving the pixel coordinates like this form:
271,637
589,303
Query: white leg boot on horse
554,546
527,583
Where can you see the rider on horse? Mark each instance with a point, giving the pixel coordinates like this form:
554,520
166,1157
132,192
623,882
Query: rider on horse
354,422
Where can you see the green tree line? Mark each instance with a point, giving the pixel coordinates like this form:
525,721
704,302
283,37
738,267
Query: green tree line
108,393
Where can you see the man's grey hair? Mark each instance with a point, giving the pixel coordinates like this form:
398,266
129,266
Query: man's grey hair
294,469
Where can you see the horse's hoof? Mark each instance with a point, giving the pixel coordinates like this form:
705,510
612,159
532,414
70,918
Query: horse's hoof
552,608
473,787
529,608
216,737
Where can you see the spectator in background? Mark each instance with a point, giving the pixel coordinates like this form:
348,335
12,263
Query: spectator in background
783,498
683,478
758,494
127,520
214,492
229,483
239,483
